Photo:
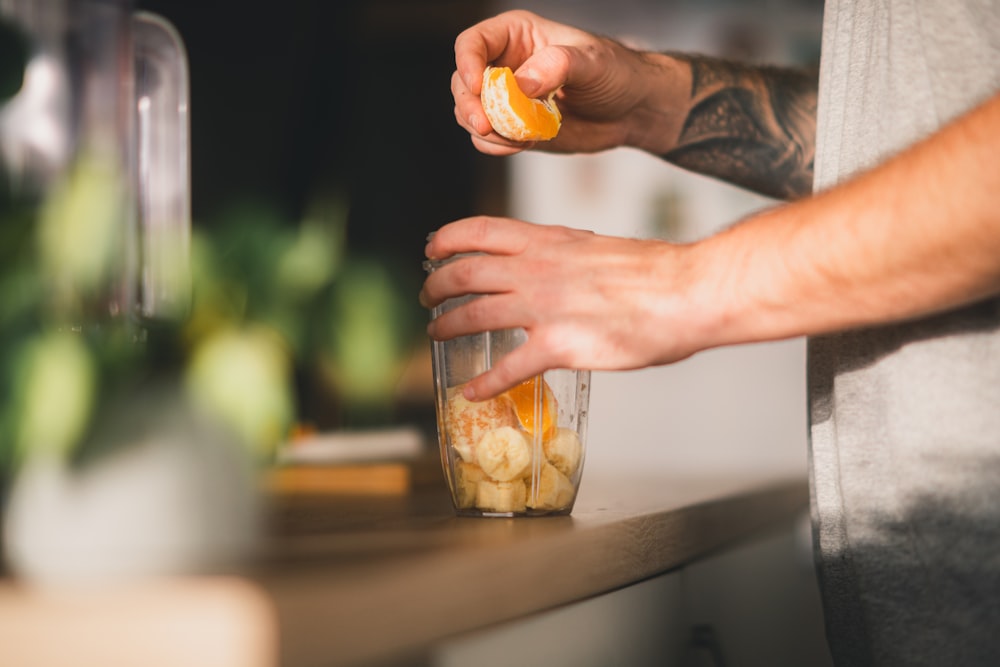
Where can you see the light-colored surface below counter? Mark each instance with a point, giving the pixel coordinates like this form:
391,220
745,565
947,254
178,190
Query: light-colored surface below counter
374,579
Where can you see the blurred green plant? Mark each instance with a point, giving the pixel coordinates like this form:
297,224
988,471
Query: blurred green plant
346,318
269,299
365,343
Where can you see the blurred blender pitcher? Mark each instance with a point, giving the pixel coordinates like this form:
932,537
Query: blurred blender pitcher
100,127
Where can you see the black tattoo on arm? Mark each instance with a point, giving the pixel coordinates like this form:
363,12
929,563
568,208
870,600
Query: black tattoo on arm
751,126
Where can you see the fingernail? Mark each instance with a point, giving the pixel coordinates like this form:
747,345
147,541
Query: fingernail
474,122
528,82
469,393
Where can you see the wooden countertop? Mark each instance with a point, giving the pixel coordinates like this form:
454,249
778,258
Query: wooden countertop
363,579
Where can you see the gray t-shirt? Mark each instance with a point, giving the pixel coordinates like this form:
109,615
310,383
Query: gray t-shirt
905,419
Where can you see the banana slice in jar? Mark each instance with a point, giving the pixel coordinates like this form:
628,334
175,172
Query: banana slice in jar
501,497
467,478
466,421
564,451
552,491
504,454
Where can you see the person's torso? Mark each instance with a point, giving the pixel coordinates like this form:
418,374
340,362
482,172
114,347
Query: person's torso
905,419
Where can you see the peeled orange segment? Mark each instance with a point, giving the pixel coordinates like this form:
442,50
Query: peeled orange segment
535,406
513,114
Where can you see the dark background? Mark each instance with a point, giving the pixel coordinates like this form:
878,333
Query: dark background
295,101
293,98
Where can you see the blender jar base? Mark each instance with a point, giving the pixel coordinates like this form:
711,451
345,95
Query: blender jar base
481,514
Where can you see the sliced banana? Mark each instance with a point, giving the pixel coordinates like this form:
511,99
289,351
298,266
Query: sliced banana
466,422
467,478
553,491
501,496
504,454
564,451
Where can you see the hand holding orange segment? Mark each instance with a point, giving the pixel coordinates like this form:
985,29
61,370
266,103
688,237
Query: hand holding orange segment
513,114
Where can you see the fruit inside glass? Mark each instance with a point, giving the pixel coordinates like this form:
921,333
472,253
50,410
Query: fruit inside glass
519,454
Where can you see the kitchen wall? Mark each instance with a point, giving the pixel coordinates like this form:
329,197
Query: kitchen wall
727,410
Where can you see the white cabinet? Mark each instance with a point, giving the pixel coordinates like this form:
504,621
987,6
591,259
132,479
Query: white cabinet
753,605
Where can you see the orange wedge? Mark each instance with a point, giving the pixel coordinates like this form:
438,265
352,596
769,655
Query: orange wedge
513,114
534,404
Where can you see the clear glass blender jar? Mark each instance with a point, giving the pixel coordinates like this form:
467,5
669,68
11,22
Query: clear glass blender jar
101,120
519,454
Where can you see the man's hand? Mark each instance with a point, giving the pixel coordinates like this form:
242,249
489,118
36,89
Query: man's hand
604,88
751,126
586,301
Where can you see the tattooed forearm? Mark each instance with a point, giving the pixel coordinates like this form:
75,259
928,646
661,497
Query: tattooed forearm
752,126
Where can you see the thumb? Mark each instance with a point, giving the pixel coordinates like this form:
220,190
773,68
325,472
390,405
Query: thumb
545,71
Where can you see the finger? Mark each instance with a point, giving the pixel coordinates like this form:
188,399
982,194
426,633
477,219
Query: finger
497,236
471,58
483,44
564,65
478,274
469,108
516,367
496,146
469,114
492,312
489,143
545,71
504,40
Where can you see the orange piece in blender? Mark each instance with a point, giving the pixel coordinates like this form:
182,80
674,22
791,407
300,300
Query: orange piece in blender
534,404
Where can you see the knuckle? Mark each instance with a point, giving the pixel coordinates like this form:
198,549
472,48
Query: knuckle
428,289
462,274
557,57
522,14
482,227
476,312
556,347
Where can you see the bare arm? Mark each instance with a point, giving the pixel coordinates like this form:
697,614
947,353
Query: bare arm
917,235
